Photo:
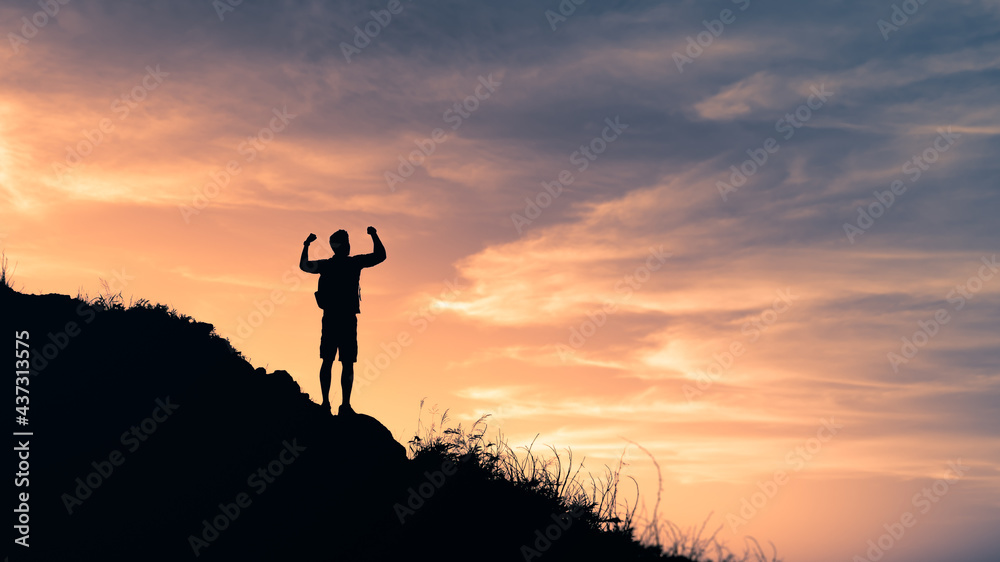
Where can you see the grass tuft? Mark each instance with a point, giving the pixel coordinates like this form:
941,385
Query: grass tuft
557,478
5,281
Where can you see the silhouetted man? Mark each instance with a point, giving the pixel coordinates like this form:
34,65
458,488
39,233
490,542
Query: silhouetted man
339,296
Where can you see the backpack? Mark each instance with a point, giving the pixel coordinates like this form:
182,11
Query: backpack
337,287
325,300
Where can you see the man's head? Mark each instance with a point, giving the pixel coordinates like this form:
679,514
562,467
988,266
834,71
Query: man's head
340,244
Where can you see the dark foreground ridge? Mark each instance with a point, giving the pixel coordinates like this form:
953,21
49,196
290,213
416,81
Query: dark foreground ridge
153,440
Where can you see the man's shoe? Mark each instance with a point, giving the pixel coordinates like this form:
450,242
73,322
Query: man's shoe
346,410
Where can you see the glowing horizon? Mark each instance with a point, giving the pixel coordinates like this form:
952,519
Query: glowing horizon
593,233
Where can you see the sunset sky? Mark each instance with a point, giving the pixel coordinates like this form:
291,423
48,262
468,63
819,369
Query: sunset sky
768,240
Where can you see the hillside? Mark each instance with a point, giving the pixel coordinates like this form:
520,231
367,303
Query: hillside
154,440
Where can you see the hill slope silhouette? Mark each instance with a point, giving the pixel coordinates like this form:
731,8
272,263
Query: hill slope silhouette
154,440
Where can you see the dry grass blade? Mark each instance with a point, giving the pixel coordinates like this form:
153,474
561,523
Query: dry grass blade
556,479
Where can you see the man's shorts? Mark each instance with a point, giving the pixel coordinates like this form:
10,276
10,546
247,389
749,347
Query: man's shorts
340,334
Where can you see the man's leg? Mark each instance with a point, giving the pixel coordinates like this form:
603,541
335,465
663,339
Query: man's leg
325,377
328,351
348,355
347,382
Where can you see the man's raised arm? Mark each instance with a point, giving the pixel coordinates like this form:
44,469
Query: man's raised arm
379,253
304,263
